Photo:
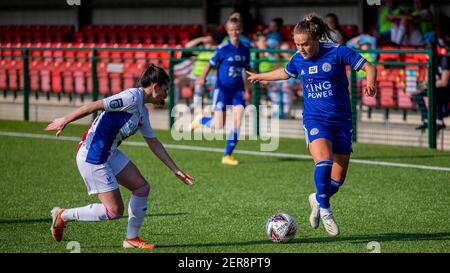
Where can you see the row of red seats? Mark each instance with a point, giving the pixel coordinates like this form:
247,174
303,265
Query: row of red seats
68,77
159,34
403,57
36,33
69,71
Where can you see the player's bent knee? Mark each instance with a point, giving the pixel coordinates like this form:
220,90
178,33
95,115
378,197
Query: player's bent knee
142,191
115,213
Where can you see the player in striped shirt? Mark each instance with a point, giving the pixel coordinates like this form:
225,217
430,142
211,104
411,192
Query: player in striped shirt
103,166
327,115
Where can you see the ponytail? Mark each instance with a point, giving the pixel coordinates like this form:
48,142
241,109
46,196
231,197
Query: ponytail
314,25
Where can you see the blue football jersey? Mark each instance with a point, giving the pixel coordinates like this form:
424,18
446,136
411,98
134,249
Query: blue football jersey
325,84
230,62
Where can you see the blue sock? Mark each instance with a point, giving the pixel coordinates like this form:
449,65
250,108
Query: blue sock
231,141
334,187
322,177
206,121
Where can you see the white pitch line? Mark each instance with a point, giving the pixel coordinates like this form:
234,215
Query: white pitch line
220,150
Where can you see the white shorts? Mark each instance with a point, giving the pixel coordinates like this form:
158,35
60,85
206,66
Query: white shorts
100,178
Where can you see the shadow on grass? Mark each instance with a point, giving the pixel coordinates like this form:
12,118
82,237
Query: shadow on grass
357,239
409,156
25,221
49,220
384,237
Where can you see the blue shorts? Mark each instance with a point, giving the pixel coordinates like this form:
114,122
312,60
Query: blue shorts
223,98
339,135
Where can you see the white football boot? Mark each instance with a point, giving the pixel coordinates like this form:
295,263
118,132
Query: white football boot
314,217
328,222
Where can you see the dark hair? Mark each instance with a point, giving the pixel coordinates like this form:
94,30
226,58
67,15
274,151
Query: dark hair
153,74
334,16
314,25
278,21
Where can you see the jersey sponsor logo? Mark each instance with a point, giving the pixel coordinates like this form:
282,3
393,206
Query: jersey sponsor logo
312,70
319,90
326,67
117,103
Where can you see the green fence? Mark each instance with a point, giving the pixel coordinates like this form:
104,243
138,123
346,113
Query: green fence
174,56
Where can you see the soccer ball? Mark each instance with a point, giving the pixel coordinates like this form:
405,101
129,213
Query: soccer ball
281,227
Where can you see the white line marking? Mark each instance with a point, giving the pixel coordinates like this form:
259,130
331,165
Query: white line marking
220,150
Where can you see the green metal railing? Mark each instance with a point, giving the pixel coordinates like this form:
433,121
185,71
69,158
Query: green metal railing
256,88
430,88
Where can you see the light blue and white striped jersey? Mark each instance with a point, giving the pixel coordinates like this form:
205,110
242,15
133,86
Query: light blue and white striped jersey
124,114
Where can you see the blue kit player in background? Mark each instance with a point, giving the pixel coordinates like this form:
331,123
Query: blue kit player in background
230,58
103,166
327,115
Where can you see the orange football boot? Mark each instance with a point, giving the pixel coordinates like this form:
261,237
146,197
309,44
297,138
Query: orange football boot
58,224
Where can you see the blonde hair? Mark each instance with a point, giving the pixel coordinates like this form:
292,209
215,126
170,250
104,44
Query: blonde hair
315,26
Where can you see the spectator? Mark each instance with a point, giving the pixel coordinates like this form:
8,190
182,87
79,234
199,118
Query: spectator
202,59
273,33
337,34
384,25
413,29
364,42
281,93
266,60
442,91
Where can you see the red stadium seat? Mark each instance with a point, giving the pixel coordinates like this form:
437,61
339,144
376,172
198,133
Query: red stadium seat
80,78
366,100
116,82
45,77
35,67
56,76
386,89
383,57
3,76
350,30
102,74
68,77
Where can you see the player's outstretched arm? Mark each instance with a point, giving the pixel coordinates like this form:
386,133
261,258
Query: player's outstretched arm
371,75
275,75
59,124
158,149
201,80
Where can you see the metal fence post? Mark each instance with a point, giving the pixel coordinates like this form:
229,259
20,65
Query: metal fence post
26,85
431,101
255,97
171,89
94,78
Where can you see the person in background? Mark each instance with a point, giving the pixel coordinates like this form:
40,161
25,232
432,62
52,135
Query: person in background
383,27
337,34
442,91
273,33
203,57
414,29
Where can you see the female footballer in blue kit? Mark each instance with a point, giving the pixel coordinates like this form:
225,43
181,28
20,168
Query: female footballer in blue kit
327,116
230,58
102,165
